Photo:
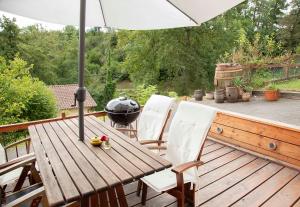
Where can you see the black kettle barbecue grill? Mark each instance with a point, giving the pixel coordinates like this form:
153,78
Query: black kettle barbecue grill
122,110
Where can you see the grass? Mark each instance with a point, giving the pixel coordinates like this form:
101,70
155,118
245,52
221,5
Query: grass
291,85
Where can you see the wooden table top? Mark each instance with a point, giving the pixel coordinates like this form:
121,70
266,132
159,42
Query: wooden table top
70,168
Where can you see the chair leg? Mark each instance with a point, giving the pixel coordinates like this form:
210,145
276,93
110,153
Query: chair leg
144,194
139,188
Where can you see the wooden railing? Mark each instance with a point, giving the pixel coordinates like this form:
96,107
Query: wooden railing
286,70
24,125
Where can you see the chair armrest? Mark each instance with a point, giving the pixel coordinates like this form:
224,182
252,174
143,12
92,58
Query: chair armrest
185,166
27,197
144,142
17,165
16,143
126,130
17,160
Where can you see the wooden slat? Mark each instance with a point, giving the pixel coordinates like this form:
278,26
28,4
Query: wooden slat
224,170
207,167
62,142
54,196
257,149
134,152
122,174
104,171
297,204
287,196
215,154
128,153
267,189
211,148
245,186
119,159
255,126
259,141
226,182
83,186
136,145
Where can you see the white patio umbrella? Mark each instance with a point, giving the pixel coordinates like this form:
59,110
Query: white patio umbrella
119,14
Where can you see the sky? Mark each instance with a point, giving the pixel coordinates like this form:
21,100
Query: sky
23,22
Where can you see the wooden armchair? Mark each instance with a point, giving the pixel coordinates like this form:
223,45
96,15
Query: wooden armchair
153,121
188,131
15,145
33,194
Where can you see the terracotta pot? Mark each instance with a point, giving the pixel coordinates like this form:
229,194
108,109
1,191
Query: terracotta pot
246,96
219,95
198,95
271,95
232,94
241,92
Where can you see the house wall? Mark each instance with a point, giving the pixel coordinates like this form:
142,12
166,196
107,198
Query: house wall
70,112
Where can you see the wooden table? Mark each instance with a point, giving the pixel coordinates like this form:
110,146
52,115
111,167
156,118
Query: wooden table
72,170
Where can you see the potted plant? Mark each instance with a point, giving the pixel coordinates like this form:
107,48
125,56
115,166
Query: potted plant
247,93
240,84
271,92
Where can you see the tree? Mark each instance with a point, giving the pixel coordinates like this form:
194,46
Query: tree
290,31
9,37
23,98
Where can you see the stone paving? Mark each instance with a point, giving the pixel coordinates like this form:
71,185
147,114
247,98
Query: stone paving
283,110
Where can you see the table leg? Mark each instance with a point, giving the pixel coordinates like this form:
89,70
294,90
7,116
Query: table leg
121,196
84,201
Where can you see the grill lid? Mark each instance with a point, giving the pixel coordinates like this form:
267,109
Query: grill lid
122,105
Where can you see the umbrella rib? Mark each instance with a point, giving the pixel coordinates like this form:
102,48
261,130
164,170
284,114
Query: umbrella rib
185,14
102,13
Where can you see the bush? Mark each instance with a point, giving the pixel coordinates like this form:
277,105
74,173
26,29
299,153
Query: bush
23,98
259,77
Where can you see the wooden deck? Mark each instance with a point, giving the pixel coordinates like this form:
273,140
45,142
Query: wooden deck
231,177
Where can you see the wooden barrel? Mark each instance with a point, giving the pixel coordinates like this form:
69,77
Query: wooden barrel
225,73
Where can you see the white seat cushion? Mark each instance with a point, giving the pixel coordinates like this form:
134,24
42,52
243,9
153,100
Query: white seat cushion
11,176
164,180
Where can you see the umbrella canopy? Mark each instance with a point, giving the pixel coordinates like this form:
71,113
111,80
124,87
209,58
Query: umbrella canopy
119,14
122,14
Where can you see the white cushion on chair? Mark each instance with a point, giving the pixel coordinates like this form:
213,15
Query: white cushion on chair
164,180
11,176
153,117
186,137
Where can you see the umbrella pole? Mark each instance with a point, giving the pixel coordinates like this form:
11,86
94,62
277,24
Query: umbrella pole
81,91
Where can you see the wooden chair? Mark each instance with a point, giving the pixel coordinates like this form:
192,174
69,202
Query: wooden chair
188,131
28,196
153,120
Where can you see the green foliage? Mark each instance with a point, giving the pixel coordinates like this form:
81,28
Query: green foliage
262,50
173,94
140,93
272,87
292,85
23,98
9,38
259,77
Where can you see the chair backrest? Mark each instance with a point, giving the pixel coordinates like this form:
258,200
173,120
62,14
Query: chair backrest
188,131
153,117
2,155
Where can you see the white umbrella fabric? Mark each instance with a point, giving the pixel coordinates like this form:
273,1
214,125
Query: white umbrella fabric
118,14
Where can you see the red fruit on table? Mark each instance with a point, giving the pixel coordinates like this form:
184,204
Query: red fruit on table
104,138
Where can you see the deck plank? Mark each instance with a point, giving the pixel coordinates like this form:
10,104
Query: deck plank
258,196
245,186
224,170
228,181
287,196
